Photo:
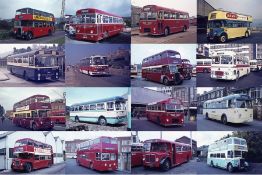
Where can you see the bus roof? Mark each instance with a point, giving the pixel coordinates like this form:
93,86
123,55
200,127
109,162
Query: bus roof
117,98
164,141
170,100
93,10
222,14
156,7
35,52
33,96
233,96
32,140
28,8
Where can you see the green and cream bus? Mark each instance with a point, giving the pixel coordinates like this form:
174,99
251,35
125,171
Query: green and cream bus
228,154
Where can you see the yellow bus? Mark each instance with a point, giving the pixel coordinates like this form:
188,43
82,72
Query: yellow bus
224,25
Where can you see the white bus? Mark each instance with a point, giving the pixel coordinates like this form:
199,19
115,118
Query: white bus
253,65
229,66
259,64
235,108
228,154
134,71
104,111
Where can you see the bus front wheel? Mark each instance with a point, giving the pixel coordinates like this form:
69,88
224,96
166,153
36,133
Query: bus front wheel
102,121
223,38
165,81
207,116
246,34
230,168
26,76
224,119
29,36
34,128
28,167
76,119
166,32
166,165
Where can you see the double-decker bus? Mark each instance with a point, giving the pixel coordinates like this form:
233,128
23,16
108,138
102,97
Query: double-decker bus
58,112
95,65
224,25
31,155
100,154
228,154
31,23
253,65
203,65
32,113
186,69
35,65
104,111
166,112
134,71
227,65
235,108
137,151
156,20
165,154
95,25
163,67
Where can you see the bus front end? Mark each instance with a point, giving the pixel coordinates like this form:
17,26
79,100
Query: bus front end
44,73
224,73
174,76
99,70
43,123
215,31
119,114
23,25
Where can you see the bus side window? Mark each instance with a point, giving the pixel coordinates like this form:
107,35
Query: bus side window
229,154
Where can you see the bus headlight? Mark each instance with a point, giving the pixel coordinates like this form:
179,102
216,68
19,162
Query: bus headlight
91,31
167,120
157,159
78,31
105,164
143,159
21,164
41,122
154,29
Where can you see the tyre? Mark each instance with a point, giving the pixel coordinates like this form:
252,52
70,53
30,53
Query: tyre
165,81
166,165
34,128
102,121
49,32
212,164
28,167
224,119
184,29
77,119
230,168
223,38
25,76
29,36
246,34
166,32
207,116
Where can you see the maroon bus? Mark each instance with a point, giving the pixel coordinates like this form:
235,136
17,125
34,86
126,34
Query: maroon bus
186,69
100,154
96,24
94,65
31,155
166,112
137,150
32,113
31,23
157,20
163,67
165,154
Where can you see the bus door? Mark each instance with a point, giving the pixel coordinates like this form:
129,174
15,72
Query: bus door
100,31
179,154
174,153
160,21
165,72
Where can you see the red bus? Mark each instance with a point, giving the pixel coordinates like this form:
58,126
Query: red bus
137,150
57,113
32,113
100,154
167,112
95,65
31,155
96,24
165,154
31,23
186,69
203,64
157,20
163,67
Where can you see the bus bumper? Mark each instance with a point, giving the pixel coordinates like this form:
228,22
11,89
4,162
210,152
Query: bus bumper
87,37
117,120
17,166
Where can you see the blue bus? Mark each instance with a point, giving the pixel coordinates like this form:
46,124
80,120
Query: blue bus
104,111
35,65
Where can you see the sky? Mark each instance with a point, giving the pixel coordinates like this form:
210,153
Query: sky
202,137
8,8
79,51
81,94
141,51
116,7
9,96
71,135
248,7
189,6
201,90
5,49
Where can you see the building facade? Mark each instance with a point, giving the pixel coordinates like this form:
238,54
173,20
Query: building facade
124,153
187,140
71,147
135,15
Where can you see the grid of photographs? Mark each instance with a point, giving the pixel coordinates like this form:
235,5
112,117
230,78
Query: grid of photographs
130,87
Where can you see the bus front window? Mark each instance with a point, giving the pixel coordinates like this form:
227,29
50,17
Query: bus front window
216,24
42,113
99,61
216,60
46,61
148,16
225,59
237,154
24,156
243,103
174,108
21,143
119,105
173,69
89,19
159,147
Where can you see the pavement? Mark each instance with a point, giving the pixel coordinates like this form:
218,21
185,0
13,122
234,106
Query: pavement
3,76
